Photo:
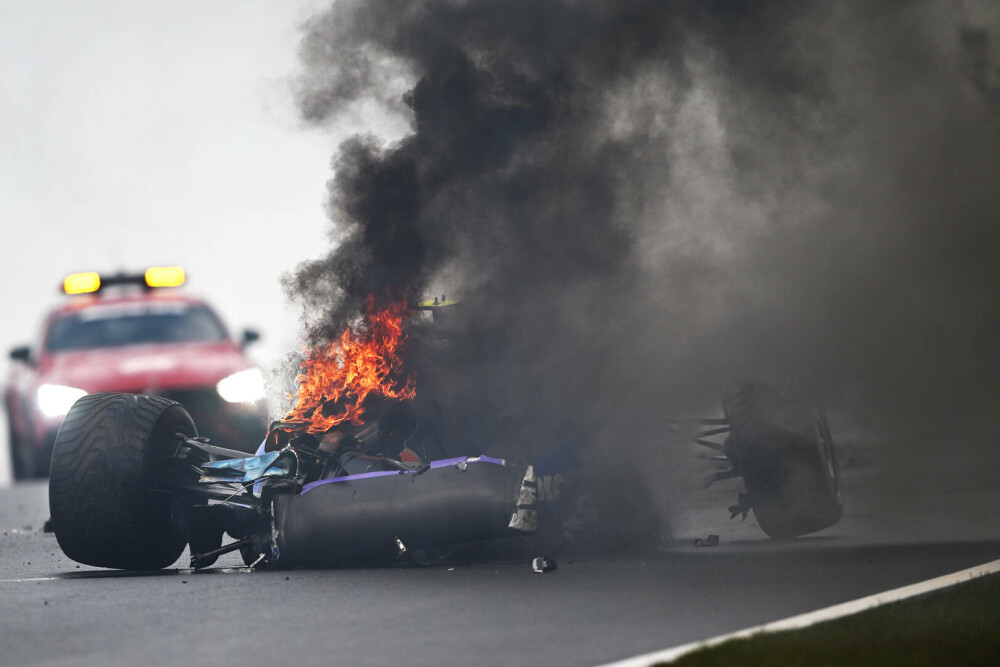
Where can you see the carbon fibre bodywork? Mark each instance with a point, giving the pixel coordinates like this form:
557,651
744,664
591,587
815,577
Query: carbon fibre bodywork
378,517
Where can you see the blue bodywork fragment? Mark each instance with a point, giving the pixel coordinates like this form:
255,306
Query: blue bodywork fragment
270,464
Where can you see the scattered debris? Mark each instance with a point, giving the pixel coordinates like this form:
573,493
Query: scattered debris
543,564
743,506
710,541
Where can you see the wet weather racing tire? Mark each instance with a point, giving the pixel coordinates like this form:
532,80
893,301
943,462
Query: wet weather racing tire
106,509
787,460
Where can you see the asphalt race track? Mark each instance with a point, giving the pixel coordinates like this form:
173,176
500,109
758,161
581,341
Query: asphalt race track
590,611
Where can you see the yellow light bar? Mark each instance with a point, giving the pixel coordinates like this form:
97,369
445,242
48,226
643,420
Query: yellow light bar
436,303
165,276
82,283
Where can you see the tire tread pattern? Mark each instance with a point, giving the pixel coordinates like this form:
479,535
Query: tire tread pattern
100,479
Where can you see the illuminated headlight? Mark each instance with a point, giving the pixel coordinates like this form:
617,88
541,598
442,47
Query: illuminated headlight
55,400
243,387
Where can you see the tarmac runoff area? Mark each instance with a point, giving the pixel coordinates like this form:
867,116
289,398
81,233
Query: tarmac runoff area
819,616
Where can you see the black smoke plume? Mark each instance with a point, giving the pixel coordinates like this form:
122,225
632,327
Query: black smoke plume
640,201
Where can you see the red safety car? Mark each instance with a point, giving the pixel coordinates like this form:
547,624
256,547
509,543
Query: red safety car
138,334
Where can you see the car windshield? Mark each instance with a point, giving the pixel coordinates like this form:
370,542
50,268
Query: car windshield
134,324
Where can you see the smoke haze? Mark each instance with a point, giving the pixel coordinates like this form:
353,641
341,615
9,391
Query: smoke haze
640,202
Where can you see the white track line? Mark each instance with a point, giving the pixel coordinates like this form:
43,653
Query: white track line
827,614
22,581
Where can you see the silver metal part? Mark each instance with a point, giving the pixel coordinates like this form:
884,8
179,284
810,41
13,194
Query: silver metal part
525,517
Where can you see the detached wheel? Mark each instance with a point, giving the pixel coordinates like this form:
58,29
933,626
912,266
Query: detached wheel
107,509
786,456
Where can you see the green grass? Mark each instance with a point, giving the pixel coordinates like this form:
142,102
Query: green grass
955,626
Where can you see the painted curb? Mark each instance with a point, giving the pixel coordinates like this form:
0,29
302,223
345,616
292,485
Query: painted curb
818,616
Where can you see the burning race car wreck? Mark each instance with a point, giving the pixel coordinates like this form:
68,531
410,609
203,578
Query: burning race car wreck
359,473
338,482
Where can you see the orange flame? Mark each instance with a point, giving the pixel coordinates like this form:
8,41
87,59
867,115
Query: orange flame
340,376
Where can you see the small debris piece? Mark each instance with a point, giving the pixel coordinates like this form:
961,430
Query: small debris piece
47,526
743,506
400,548
544,564
710,541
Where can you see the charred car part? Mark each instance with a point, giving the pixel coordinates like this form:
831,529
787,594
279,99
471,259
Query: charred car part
782,449
133,484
